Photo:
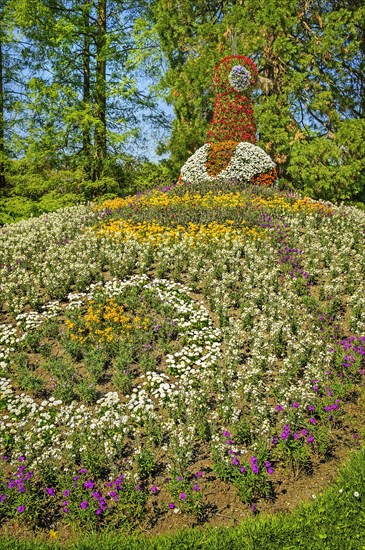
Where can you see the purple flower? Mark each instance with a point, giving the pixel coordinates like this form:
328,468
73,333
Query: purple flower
89,484
21,509
278,408
196,488
66,510
235,462
4,457
21,459
66,493
312,420
310,439
182,496
154,489
295,405
296,436
64,503
274,441
83,471
226,434
2,498
98,511
171,505
51,492
84,504
103,504
254,465
138,488
304,431
199,474
243,470
311,408
97,495
179,478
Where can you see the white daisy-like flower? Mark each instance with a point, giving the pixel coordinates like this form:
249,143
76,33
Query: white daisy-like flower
248,160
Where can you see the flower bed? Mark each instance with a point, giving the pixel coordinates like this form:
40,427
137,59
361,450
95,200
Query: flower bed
160,350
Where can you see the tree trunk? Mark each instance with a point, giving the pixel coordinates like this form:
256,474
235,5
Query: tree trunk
86,139
2,121
100,91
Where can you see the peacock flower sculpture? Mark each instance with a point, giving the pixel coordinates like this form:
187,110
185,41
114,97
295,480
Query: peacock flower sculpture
230,153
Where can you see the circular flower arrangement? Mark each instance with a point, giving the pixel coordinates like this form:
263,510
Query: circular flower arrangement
239,78
112,337
247,161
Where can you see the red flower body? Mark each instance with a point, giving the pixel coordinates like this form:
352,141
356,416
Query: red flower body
233,111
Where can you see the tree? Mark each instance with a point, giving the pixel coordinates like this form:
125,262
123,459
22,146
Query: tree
310,55
189,38
82,97
2,118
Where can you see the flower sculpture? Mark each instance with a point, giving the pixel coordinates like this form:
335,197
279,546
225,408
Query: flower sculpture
231,153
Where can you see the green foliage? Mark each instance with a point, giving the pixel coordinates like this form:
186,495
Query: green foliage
189,40
332,169
311,59
35,188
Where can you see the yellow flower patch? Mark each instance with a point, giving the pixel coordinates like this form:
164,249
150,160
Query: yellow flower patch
211,200
297,205
105,322
154,233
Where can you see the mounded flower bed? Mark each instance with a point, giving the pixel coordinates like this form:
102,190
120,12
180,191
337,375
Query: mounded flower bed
167,355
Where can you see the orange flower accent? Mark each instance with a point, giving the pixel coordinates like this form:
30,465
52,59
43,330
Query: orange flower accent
267,178
219,156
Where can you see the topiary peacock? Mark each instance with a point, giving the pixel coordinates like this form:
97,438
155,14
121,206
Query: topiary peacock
230,153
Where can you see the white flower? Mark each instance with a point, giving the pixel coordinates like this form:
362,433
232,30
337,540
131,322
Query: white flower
356,494
247,161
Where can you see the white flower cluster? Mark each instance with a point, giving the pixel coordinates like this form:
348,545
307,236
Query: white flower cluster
247,161
48,434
